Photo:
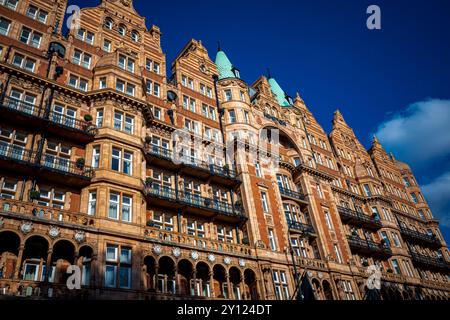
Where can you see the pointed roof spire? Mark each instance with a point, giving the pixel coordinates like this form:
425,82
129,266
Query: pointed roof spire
279,93
224,65
338,117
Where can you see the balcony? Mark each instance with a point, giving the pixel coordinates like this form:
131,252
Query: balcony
194,242
368,247
192,166
27,114
71,128
359,218
21,112
49,167
75,174
430,262
306,229
419,237
16,158
186,201
292,195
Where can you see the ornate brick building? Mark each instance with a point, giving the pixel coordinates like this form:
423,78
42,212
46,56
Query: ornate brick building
194,186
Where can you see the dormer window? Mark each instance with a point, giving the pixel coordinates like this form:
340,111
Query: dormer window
236,72
108,24
121,30
135,36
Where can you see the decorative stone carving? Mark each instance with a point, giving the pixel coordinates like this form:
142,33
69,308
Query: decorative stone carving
176,252
227,260
79,236
157,249
242,262
194,255
211,257
26,227
54,232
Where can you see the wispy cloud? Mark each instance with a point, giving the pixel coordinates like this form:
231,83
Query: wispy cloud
421,134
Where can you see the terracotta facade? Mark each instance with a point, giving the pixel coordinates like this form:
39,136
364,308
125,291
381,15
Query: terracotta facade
108,164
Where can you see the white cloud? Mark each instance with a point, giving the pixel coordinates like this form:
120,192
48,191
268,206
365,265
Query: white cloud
438,195
420,134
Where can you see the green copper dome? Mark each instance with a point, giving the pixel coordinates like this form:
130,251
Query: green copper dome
224,66
279,93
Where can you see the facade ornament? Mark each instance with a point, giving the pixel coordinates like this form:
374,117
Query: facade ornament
211,257
242,262
176,252
79,236
26,227
54,232
194,255
320,275
227,260
157,249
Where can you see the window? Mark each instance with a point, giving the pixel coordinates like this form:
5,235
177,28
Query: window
228,96
78,83
414,198
92,203
242,95
157,113
130,89
126,63
51,198
106,45
121,30
135,36
82,59
118,267
30,37
421,215
264,203
375,213
156,67
319,190
367,190
280,284
5,25
348,290
8,189
396,239
99,118
385,238
272,243
231,116
258,170
120,207
129,124
122,161
11,4
24,63
153,88
337,253
95,157
85,36
396,266
102,83
148,64
108,24
328,220
246,117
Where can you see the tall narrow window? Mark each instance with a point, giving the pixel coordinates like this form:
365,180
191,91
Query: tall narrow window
337,253
116,159
272,243
264,203
95,157
92,203
231,116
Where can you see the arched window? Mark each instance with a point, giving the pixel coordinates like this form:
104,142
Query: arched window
121,30
135,36
108,24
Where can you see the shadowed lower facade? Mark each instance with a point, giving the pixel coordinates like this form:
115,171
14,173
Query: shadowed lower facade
161,187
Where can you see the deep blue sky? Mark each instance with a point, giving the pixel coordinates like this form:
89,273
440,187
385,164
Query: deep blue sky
324,50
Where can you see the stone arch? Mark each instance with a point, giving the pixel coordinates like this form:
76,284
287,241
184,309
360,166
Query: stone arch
235,277
250,285
202,285
9,252
220,285
327,290
165,281
185,273
84,261
35,258
149,272
62,257
317,288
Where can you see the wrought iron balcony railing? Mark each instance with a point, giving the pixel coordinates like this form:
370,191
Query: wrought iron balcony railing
359,218
430,262
192,162
302,227
423,238
19,154
194,200
292,194
73,123
368,246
